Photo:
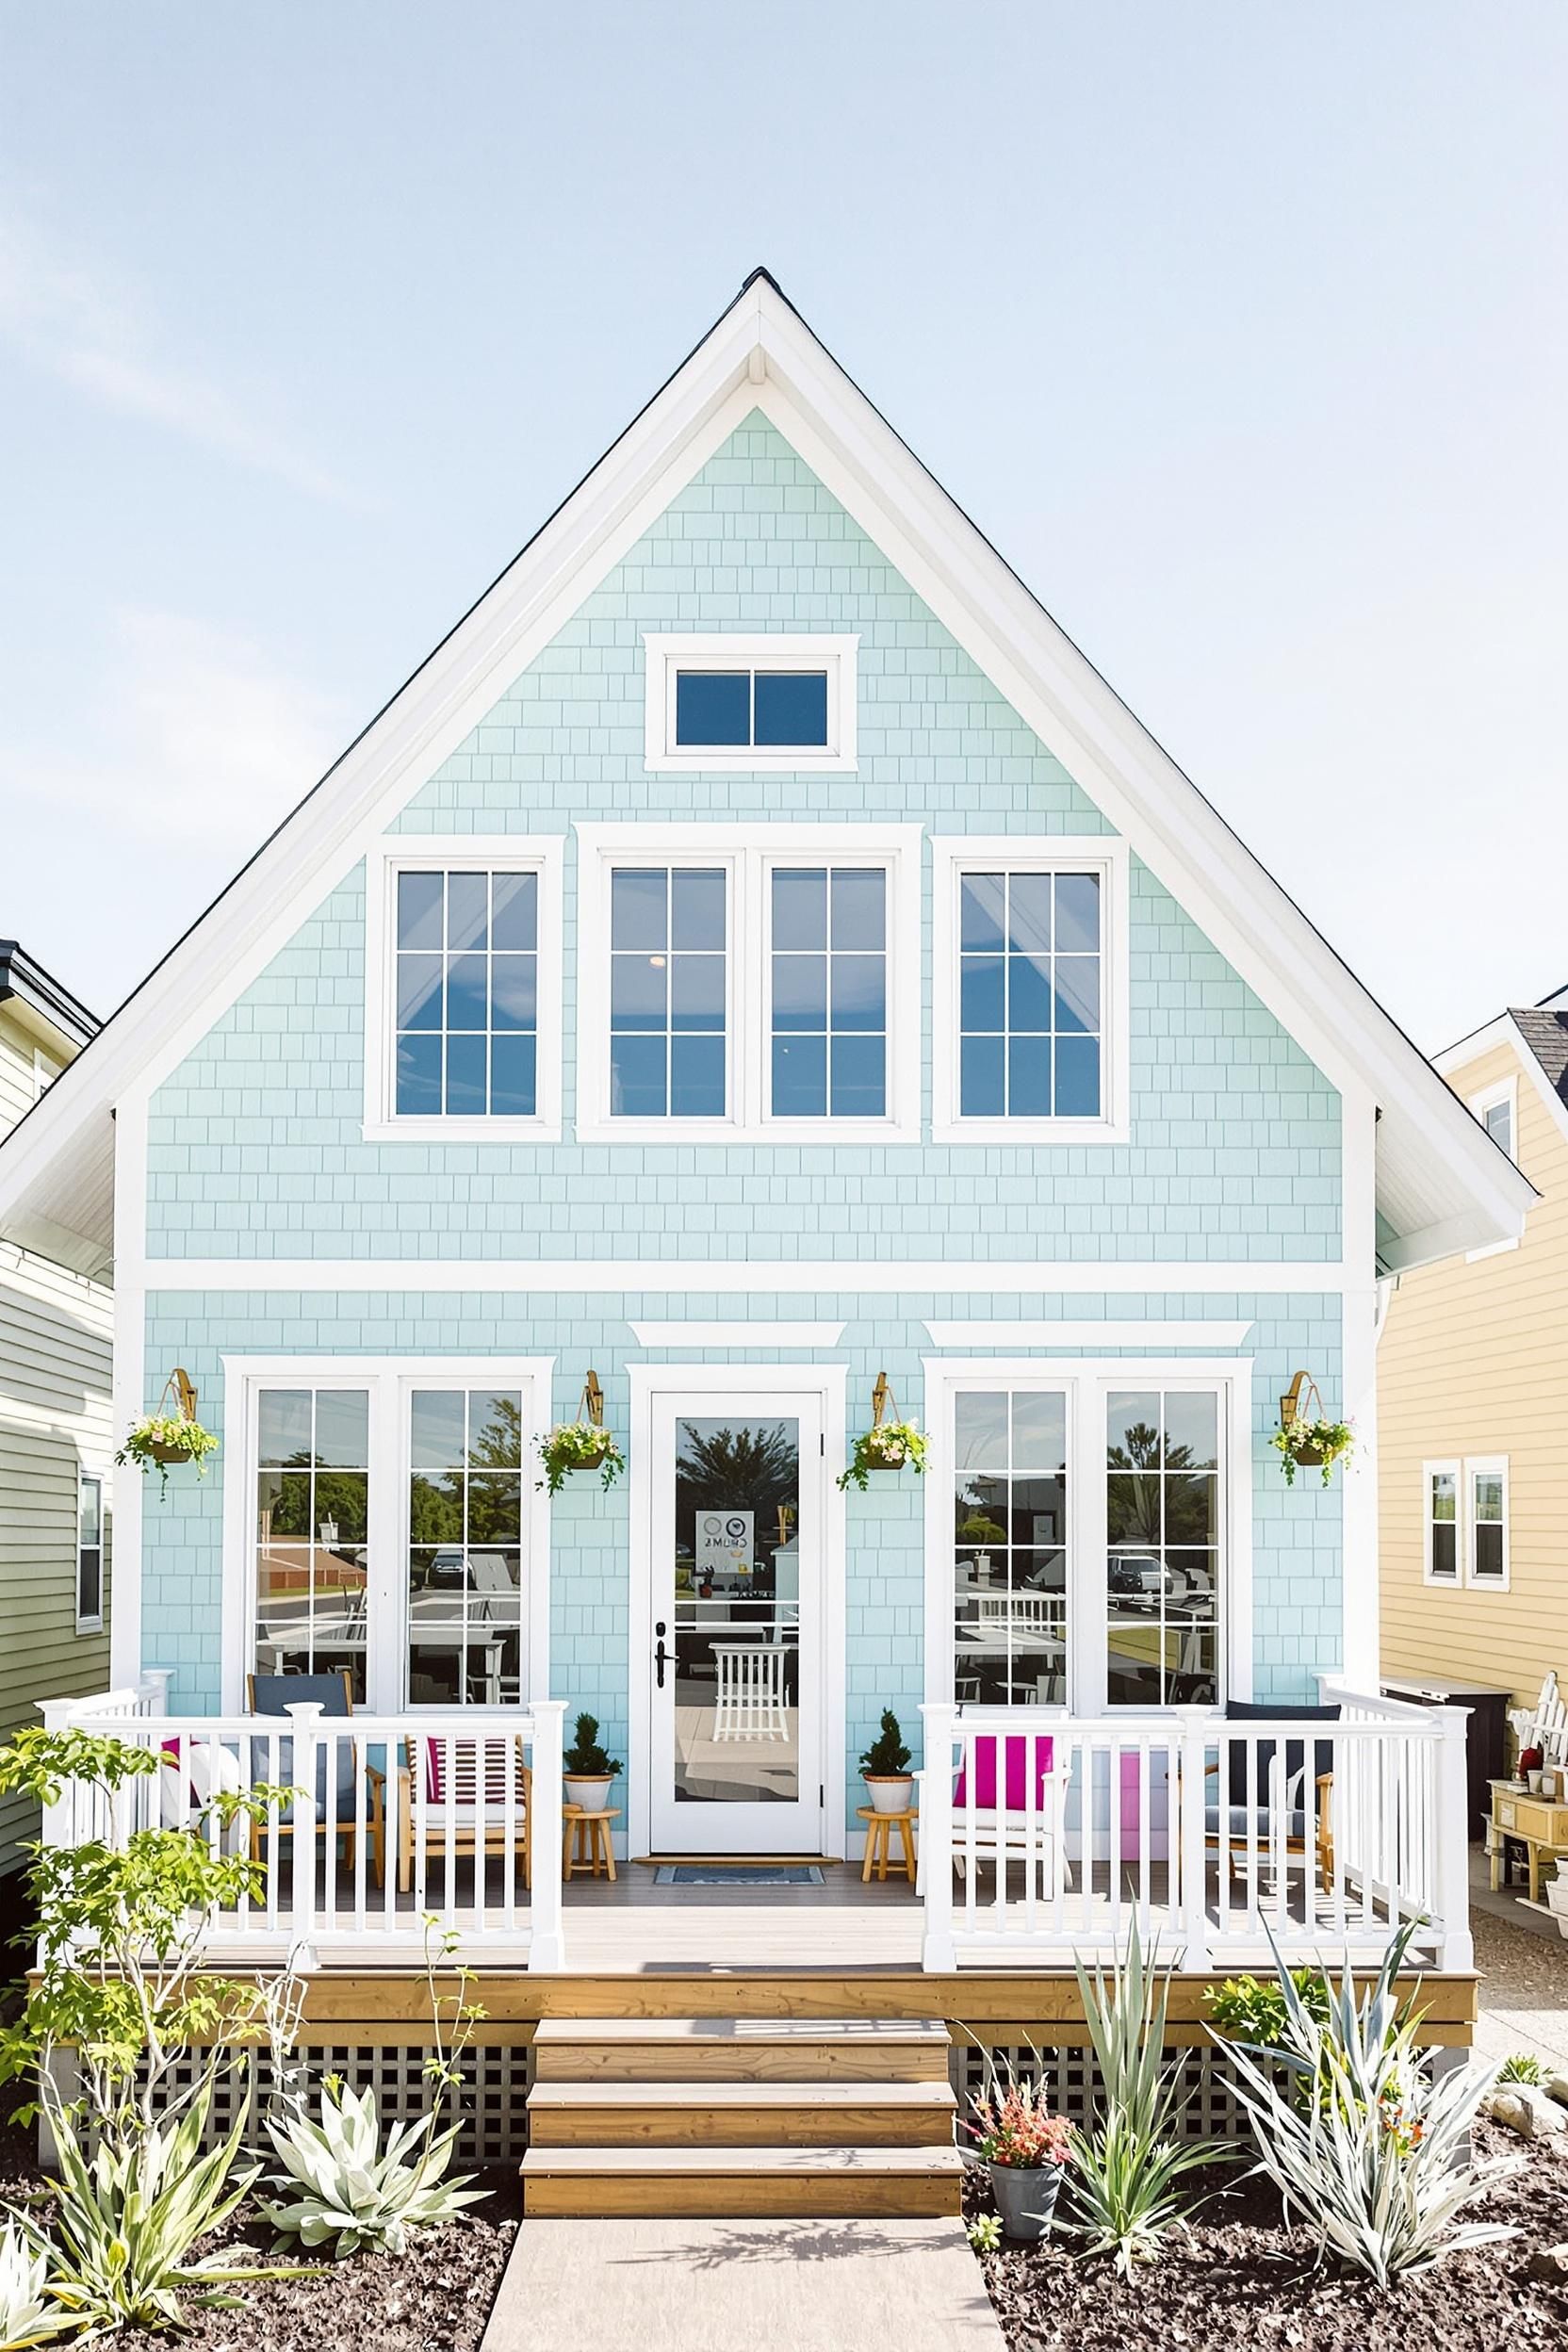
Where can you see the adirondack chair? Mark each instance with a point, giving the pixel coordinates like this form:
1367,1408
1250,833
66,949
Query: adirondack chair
455,1794
1002,1829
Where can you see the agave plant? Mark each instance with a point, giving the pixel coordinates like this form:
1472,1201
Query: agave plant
349,2192
1376,2160
28,2313
1128,2165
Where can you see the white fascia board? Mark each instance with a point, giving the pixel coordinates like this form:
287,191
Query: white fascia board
1109,1334
665,1335
994,1278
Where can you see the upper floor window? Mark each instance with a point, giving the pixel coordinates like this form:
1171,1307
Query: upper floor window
668,991
1498,1111
1488,1499
90,1554
1465,1521
1440,1521
461,1034
1030,1002
828,1008
781,701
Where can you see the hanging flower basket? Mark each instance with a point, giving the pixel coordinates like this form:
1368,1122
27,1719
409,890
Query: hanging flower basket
888,1445
165,1439
584,1444
1306,1439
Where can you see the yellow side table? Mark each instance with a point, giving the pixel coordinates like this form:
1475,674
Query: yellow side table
879,1841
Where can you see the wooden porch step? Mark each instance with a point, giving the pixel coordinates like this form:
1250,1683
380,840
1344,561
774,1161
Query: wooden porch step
716,2183
730,2050
740,2115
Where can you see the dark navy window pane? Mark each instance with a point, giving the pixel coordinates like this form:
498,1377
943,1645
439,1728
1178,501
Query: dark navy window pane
800,993
639,992
419,1076
514,911
712,707
696,992
467,910
858,995
799,909
512,1077
1028,992
981,899
514,991
1029,1077
799,1077
981,1091
639,909
1077,1078
1029,913
860,1078
418,991
981,1001
420,909
696,1077
1077,913
1077,992
466,1070
637,1077
696,909
859,908
468,993
790,706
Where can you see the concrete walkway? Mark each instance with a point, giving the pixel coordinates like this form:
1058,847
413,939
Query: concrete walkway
721,2286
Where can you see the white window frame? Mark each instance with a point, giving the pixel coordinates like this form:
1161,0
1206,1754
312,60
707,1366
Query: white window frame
1486,1466
47,1069
91,1623
952,856
664,655
390,1381
1088,1381
748,854
460,853
1446,1466
1506,1090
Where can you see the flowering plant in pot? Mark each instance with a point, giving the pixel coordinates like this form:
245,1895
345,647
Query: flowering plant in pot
1026,2147
161,1440
579,1446
1311,1444
885,1768
587,1772
889,1445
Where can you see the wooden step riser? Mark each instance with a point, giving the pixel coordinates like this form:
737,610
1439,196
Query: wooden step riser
718,2196
718,2126
721,2061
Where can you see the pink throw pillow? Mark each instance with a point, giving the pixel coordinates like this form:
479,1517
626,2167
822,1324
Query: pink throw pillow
1015,1774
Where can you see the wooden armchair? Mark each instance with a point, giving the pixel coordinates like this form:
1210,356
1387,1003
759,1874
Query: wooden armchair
274,1694
454,1797
1246,1824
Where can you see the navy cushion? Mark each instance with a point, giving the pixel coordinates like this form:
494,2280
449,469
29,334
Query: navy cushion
1245,1711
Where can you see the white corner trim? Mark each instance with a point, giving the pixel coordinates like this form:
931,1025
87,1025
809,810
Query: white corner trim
738,1334
1109,1334
782,650
1004,1278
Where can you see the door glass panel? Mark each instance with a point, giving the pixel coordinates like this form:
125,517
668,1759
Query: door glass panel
736,1628
311,1523
465,1558
1009,1534
1163,1570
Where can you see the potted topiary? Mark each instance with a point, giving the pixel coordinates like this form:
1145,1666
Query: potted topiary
587,1773
1026,2147
885,1768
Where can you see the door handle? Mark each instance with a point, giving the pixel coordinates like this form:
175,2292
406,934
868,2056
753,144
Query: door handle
661,1657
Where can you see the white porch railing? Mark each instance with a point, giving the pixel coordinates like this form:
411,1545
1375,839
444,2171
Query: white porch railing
1043,1834
373,1822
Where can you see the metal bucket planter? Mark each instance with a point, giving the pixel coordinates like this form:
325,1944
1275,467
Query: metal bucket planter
1025,2200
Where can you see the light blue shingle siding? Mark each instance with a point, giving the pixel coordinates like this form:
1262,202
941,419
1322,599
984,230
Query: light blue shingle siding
255,1148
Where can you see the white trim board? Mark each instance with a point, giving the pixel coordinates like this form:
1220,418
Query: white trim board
737,1335
784,1278
1080,1335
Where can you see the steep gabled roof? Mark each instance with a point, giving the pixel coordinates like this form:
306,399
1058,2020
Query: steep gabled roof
1538,1035
1442,1185
28,984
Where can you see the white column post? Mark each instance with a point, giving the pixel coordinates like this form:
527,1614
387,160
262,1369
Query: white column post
306,1716
154,1688
938,1951
1451,1829
1194,1741
547,1949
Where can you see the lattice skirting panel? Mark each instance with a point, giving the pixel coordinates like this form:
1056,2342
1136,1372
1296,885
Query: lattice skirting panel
1074,2087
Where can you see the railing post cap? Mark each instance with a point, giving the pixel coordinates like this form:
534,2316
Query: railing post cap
306,1710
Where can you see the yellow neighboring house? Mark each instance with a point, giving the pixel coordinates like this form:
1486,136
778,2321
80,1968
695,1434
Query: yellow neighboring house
1473,1400
56,1428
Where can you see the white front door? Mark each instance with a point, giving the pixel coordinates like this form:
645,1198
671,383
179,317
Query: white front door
737,1543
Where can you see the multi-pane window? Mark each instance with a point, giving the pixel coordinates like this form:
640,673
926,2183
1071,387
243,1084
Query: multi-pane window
312,1528
765,710
1441,1522
464,1561
90,1554
1009,1535
467,994
1162,1559
668,992
1487,1522
1030,1018
828,992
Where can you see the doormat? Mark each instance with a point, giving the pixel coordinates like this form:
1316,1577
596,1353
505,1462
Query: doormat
738,1874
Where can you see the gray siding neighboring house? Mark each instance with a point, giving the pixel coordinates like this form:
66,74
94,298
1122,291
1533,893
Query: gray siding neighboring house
55,1431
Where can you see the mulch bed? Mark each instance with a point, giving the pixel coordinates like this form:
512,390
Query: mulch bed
434,2298
1239,2277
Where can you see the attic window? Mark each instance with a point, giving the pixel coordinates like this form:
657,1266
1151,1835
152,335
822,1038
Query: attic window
776,702
1497,1109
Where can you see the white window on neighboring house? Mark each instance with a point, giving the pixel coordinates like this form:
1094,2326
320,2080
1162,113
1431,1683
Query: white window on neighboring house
1440,1485
46,1071
1497,1109
90,1554
779,702
1486,1485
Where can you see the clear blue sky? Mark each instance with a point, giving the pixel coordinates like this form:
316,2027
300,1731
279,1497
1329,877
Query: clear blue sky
1240,328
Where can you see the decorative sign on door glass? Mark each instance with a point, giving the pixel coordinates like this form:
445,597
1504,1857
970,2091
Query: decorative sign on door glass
725,1543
